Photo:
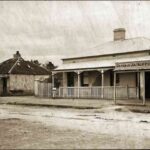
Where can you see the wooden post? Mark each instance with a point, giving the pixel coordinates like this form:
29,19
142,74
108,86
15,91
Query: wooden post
59,92
102,72
78,73
138,85
53,80
143,87
64,88
115,87
53,84
91,92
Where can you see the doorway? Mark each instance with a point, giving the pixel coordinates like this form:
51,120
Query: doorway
147,84
70,79
4,81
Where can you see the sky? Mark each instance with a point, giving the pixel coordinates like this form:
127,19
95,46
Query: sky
51,30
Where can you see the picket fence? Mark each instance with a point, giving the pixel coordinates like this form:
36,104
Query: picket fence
43,89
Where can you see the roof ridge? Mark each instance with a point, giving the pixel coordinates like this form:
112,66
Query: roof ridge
13,66
119,41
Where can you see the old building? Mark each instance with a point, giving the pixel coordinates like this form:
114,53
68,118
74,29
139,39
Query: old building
116,69
17,76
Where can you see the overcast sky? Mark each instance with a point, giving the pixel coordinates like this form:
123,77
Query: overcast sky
50,30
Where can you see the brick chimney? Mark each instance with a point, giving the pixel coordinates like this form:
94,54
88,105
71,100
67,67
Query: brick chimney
17,55
119,34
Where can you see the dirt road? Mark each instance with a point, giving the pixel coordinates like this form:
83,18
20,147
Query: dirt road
40,127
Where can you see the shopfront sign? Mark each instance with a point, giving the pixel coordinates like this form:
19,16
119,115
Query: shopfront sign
136,65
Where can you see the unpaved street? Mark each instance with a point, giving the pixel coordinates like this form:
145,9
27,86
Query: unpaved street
41,127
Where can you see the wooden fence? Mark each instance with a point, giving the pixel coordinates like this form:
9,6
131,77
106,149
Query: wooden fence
106,92
43,89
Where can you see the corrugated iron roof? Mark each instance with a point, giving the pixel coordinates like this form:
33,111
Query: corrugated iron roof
116,47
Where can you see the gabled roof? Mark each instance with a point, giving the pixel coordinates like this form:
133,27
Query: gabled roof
116,47
20,66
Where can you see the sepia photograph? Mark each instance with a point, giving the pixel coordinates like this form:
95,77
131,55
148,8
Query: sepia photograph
74,74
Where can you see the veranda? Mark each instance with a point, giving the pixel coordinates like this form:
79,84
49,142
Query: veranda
74,85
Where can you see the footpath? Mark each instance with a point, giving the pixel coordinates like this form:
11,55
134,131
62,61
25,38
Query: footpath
63,103
131,105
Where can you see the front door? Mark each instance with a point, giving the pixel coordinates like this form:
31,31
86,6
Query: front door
147,84
70,79
70,83
4,80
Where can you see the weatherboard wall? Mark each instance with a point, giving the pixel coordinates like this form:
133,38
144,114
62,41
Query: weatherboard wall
108,57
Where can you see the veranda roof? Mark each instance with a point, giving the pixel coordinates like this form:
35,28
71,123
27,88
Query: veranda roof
86,65
101,64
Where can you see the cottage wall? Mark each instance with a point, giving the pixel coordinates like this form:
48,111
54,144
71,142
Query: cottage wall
94,78
24,83
97,58
107,78
127,79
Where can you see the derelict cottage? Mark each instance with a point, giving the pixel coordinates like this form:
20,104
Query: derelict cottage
17,76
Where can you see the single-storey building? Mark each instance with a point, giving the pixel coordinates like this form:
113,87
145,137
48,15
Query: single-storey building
17,76
116,69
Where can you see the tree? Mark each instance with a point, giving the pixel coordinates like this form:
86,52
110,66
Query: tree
36,62
50,66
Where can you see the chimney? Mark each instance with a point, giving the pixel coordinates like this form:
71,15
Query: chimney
119,34
17,55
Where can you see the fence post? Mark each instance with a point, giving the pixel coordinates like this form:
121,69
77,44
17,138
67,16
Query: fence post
78,84
62,89
47,90
144,88
53,85
138,85
91,93
115,87
59,91
102,72
127,92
